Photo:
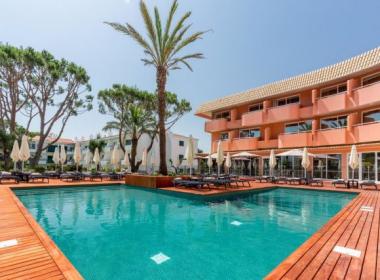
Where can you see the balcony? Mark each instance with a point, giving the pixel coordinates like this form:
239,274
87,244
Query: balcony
330,104
225,145
243,144
330,137
283,113
295,140
216,125
252,118
367,95
234,124
367,132
271,144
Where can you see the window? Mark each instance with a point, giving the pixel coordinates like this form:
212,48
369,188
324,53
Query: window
371,79
285,101
333,90
33,146
128,142
181,157
327,166
181,143
223,136
372,116
298,127
256,107
51,149
222,115
336,122
250,133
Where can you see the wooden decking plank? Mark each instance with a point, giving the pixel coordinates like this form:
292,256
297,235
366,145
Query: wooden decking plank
343,262
356,267
327,259
310,263
26,266
22,264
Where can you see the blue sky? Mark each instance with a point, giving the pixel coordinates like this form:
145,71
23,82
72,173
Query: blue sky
252,43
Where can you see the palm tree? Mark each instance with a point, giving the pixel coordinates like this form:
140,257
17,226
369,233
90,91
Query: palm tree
162,50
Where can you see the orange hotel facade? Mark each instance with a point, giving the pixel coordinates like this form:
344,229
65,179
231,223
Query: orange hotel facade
326,110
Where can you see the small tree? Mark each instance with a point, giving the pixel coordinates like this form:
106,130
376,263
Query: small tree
134,114
56,88
162,50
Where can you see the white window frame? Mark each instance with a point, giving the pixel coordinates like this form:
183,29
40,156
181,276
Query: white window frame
220,136
326,118
366,111
221,112
253,128
330,87
260,103
286,98
369,76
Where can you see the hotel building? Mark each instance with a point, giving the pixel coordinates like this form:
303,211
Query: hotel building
326,110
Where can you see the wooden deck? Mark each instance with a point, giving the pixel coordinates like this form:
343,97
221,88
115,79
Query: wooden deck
37,257
351,228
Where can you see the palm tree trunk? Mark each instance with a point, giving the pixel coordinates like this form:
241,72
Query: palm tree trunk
161,83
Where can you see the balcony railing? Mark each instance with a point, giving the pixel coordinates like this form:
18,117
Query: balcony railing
252,118
294,140
283,113
244,144
328,137
367,95
367,132
216,125
330,104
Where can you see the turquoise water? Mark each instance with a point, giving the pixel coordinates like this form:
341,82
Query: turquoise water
112,232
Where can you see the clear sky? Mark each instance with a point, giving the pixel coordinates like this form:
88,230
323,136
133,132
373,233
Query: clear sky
252,43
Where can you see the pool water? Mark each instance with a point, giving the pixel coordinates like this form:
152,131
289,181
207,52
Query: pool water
112,232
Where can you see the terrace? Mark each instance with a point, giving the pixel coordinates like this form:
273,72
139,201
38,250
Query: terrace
36,255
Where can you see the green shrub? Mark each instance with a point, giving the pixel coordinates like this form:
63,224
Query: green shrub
40,169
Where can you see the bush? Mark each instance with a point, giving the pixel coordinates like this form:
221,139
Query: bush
39,169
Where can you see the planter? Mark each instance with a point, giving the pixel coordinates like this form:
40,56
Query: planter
148,181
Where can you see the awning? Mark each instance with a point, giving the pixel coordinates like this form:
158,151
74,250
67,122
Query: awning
294,153
244,154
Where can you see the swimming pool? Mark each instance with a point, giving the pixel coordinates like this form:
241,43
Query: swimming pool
113,232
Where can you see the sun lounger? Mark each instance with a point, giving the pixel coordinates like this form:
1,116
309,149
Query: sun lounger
33,177
280,180
368,183
266,179
339,182
295,180
6,176
313,181
190,183
71,176
52,174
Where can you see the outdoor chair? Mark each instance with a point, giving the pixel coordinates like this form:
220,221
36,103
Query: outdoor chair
295,180
33,177
6,176
339,182
52,174
314,181
368,183
190,183
71,176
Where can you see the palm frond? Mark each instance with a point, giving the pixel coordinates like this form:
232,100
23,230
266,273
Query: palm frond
149,26
187,41
132,32
173,9
158,30
174,63
178,27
